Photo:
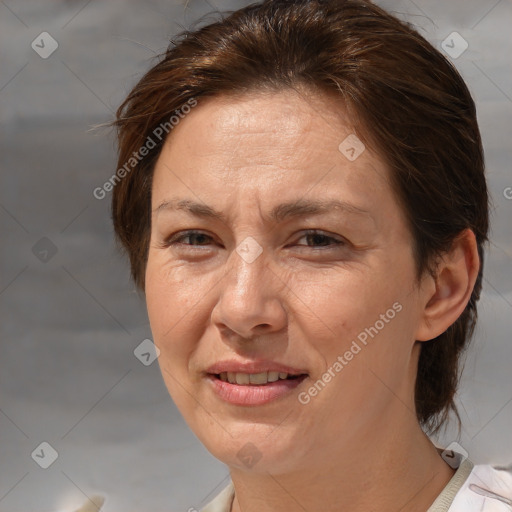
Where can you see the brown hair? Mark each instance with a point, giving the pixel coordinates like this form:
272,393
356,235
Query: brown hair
412,106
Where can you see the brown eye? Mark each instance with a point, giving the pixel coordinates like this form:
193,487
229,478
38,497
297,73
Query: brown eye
319,239
181,238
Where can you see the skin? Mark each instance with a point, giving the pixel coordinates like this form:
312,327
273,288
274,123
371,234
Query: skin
356,445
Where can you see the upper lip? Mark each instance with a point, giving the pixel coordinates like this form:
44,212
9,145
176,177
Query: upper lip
252,367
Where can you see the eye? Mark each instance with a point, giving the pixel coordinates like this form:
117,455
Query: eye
193,238
319,239
181,238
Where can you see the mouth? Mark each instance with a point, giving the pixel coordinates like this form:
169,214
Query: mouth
255,379
253,389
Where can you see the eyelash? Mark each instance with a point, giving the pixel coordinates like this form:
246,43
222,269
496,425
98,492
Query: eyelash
177,239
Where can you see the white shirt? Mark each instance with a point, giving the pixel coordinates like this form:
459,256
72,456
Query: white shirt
480,488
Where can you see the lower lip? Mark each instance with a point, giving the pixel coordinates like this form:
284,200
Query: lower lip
252,394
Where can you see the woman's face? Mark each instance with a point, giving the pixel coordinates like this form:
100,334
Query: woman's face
251,266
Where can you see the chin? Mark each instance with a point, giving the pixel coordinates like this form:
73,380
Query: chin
250,447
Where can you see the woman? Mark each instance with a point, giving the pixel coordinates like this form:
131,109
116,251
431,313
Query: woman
301,193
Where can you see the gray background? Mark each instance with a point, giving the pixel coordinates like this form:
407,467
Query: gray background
70,321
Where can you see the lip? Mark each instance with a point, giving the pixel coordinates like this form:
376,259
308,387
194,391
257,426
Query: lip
253,394
252,367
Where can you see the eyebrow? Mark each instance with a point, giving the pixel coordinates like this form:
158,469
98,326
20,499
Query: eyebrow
281,212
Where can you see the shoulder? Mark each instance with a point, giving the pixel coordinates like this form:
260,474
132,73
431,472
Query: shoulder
222,502
487,489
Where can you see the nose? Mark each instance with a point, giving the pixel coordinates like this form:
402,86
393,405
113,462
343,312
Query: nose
251,299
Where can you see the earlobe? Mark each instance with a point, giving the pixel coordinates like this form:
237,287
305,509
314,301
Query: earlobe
455,278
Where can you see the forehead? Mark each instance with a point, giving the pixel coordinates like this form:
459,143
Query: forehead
293,124
274,143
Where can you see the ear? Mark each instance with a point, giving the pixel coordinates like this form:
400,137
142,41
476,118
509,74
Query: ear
446,295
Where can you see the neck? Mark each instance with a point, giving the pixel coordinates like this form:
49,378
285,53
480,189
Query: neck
393,467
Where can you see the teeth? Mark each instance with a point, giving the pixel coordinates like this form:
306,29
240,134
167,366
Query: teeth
244,379
258,378
273,376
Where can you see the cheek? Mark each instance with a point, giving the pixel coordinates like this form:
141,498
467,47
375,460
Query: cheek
170,310
363,313
347,301
171,304
171,295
